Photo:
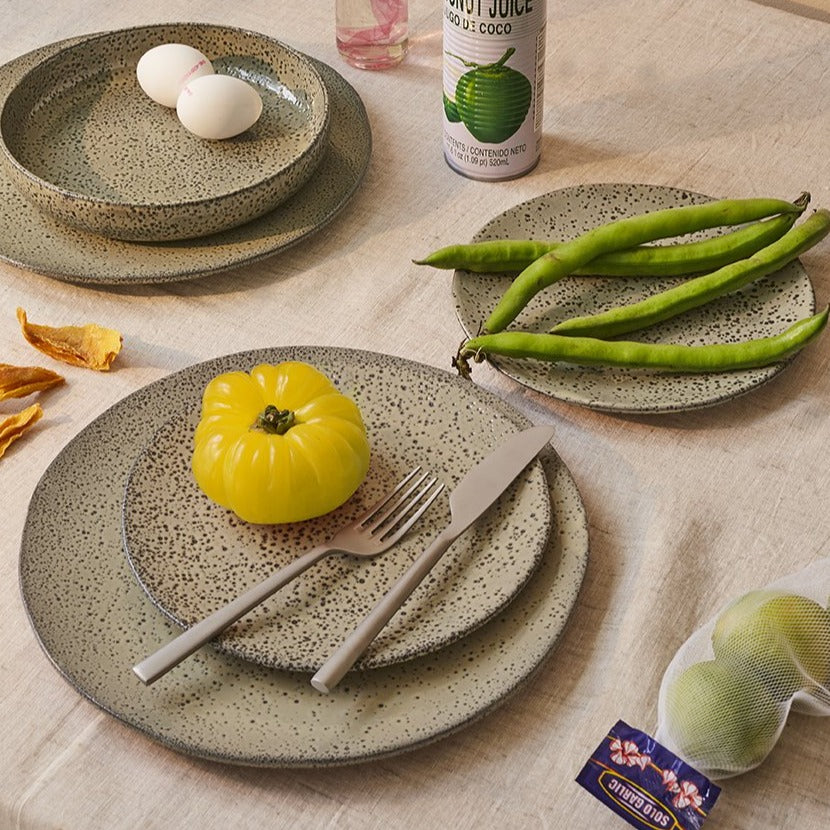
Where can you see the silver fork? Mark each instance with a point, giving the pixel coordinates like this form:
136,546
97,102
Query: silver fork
372,533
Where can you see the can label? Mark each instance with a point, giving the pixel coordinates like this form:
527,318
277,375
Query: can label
494,58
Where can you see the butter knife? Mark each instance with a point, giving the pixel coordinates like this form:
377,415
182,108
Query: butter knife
476,491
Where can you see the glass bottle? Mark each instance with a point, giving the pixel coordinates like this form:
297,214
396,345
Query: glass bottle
372,34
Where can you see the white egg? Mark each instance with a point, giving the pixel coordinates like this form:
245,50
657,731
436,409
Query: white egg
163,70
218,106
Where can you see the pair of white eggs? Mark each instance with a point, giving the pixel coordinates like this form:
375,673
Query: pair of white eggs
209,105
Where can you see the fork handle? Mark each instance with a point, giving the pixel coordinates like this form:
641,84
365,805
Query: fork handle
332,671
183,645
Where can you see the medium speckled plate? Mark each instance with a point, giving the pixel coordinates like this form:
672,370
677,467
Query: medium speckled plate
83,142
192,556
766,307
32,239
217,706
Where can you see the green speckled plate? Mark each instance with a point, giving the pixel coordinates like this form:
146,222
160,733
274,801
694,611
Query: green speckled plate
192,556
33,240
766,307
224,708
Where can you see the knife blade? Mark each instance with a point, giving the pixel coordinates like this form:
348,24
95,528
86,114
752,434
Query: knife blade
476,491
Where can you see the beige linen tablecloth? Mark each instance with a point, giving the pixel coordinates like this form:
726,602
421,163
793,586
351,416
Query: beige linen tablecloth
685,511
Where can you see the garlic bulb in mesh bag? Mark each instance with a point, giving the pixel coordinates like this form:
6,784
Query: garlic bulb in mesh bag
726,695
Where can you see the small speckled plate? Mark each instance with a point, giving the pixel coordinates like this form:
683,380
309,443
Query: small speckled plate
220,707
83,142
192,556
766,307
33,239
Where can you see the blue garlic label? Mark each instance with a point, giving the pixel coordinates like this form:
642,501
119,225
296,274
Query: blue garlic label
646,784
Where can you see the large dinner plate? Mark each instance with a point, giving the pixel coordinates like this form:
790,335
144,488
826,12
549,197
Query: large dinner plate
32,239
763,308
220,707
193,556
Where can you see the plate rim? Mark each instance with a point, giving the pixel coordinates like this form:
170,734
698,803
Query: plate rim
559,599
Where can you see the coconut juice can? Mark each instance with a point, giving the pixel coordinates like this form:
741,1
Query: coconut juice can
494,61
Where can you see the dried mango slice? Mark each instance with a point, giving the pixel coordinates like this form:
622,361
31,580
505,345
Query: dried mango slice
13,426
91,346
19,381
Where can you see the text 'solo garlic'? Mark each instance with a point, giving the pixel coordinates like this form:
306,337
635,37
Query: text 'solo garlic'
494,60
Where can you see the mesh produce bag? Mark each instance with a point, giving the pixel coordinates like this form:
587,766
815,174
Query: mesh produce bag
726,695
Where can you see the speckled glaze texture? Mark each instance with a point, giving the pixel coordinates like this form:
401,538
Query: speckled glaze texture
763,308
33,239
84,143
193,556
218,706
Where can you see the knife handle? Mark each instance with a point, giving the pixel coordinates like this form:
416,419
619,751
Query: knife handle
332,671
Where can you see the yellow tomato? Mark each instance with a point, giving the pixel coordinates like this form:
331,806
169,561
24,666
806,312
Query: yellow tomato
280,444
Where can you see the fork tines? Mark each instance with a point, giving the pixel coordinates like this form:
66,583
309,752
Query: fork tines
392,515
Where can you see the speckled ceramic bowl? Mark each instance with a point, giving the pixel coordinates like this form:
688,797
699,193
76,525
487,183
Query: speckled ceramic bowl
35,240
82,141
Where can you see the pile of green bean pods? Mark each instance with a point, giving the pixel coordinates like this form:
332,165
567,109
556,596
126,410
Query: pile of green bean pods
768,238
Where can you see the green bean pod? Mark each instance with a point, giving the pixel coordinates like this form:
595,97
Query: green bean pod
513,255
590,351
626,233
491,256
700,290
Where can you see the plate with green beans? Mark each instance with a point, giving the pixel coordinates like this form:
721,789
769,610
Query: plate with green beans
713,297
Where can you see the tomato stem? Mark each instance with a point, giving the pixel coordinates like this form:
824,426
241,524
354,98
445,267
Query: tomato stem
275,421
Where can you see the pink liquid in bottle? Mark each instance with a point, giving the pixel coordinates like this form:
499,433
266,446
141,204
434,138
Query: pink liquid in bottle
372,34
